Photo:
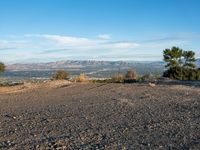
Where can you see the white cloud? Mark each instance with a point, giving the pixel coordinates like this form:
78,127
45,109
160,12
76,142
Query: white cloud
12,44
70,41
104,37
124,45
65,40
85,43
55,47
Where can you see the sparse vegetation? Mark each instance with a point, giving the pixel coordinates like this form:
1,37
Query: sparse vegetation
61,75
101,81
180,64
131,76
145,77
82,78
119,78
2,67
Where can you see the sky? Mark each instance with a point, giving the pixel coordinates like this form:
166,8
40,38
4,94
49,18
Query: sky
110,30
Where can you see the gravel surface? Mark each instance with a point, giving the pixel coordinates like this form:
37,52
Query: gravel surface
101,116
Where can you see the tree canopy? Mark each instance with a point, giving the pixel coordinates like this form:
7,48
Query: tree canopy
189,59
173,57
180,64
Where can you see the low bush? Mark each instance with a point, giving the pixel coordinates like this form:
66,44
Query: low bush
82,78
179,73
61,75
2,67
198,74
118,78
145,77
102,81
131,76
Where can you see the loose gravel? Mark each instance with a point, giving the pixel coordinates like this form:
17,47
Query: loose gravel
101,116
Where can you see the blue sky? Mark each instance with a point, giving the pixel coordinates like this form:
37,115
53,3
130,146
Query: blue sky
52,30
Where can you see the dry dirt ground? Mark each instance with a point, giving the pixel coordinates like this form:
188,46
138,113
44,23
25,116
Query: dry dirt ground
100,116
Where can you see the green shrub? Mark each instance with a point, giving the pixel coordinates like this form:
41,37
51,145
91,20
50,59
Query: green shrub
145,77
61,75
180,73
198,74
2,67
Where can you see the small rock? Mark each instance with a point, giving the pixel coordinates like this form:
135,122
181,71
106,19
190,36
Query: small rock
152,84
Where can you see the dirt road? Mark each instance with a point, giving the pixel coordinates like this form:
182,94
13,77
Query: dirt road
101,116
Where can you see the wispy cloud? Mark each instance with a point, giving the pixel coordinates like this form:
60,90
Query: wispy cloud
122,45
65,40
179,37
53,51
55,47
104,36
85,43
12,44
128,57
6,48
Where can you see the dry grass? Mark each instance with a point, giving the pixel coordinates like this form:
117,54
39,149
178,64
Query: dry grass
82,78
32,86
119,78
131,75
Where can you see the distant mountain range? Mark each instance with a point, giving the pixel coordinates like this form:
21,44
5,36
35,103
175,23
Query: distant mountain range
75,64
91,68
198,62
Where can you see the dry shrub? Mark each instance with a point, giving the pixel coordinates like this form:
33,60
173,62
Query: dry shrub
131,76
82,78
61,75
118,78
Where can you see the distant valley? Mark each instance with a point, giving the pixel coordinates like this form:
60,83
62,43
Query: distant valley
100,69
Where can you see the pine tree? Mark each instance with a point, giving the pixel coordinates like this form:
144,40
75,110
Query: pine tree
180,64
189,59
173,57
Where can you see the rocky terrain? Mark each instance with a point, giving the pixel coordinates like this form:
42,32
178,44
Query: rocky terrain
101,116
